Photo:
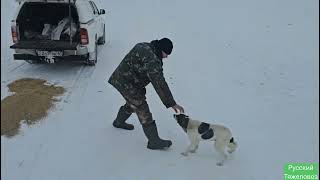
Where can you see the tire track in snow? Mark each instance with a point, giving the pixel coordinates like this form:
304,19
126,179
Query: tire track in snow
16,67
23,70
79,82
78,86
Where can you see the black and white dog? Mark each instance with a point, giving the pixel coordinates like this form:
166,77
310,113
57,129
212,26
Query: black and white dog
198,131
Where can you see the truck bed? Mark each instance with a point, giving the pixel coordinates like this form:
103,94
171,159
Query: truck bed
49,45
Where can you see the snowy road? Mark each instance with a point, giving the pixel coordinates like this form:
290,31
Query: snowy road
250,65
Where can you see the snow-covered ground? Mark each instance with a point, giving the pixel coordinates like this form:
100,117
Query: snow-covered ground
251,65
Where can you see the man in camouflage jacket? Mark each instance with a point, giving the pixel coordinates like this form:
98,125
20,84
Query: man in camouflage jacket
142,65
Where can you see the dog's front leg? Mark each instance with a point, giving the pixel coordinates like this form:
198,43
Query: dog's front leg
185,153
190,149
194,144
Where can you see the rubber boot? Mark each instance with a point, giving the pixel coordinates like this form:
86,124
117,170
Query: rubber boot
120,121
151,132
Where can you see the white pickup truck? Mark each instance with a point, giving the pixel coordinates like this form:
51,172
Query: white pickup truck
54,30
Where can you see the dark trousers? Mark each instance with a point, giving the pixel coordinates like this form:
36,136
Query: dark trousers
136,103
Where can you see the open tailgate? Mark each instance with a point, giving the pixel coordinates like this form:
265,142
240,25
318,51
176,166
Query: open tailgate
49,45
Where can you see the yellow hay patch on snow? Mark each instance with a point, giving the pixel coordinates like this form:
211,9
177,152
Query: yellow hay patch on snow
31,102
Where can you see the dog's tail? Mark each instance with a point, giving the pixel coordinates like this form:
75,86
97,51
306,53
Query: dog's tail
232,145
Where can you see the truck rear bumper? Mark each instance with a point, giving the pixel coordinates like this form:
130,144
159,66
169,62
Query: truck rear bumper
27,50
40,58
79,51
81,54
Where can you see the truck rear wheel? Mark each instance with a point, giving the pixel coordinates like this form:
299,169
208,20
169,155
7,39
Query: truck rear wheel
102,40
92,62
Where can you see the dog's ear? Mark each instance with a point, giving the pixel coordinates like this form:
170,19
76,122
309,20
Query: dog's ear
183,122
185,116
176,116
182,116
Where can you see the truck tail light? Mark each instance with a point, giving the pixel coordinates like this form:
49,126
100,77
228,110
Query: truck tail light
84,36
14,34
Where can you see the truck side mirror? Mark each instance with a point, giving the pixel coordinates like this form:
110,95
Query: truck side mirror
102,11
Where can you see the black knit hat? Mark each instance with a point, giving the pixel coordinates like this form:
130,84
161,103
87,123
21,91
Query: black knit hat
166,45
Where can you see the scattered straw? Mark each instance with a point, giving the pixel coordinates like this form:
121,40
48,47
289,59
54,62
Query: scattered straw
31,102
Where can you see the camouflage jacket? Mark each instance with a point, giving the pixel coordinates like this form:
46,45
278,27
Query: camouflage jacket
142,65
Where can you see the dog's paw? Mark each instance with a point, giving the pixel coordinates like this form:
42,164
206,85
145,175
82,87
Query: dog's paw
184,153
219,163
230,151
